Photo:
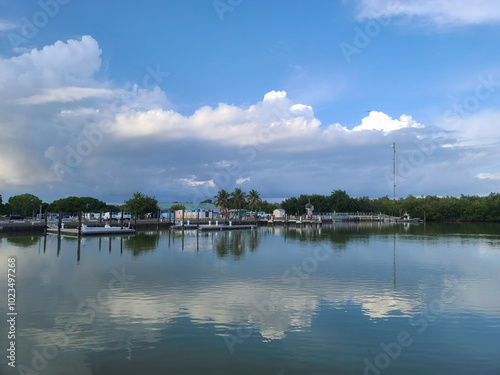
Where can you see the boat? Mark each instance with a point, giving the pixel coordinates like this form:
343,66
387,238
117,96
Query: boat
407,219
86,231
105,230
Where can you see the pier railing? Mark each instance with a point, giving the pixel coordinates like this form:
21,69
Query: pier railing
375,216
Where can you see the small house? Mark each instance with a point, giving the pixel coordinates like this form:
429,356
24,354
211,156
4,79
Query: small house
279,213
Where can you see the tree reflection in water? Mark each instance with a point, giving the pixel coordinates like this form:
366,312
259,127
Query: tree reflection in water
142,242
23,241
236,243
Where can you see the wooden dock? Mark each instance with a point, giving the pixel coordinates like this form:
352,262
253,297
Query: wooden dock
225,227
75,232
184,227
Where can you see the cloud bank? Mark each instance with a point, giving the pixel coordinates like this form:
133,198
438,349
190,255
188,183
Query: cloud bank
64,132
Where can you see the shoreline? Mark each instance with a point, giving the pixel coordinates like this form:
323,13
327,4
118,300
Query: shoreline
38,227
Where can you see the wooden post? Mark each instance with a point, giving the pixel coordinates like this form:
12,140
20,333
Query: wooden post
59,223
122,219
198,221
100,218
79,224
45,243
158,220
182,223
45,220
135,220
78,251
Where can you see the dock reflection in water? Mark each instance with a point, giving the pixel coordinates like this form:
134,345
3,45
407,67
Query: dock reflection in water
273,300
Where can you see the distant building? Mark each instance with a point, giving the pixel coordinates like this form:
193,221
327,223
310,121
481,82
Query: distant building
191,211
91,215
309,209
237,213
279,213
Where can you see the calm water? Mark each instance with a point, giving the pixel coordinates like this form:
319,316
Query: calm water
344,299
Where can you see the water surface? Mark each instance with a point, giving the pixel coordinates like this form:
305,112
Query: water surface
342,299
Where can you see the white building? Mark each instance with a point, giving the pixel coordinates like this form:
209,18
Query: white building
279,213
309,209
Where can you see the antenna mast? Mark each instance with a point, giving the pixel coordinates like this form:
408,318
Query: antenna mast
394,171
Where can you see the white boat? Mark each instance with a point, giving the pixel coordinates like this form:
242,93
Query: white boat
407,219
106,229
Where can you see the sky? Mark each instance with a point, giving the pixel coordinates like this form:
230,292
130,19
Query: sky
179,99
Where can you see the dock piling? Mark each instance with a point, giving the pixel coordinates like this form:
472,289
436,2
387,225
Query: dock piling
59,222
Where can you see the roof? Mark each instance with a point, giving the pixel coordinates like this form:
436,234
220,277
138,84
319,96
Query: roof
189,206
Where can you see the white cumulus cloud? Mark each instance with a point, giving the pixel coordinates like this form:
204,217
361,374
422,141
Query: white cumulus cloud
440,12
384,123
241,180
488,176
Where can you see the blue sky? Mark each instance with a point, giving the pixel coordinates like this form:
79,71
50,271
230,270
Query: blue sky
179,99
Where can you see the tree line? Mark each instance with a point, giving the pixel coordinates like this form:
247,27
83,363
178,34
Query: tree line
463,208
29,204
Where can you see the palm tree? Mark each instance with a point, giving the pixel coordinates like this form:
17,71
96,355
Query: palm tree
238,197
222,200
253,200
